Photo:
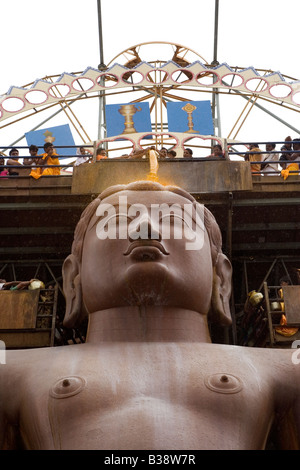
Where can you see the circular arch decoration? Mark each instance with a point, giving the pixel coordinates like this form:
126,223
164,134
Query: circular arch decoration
179,74
138,53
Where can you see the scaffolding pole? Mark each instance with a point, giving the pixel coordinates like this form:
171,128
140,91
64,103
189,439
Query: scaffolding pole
215,98
101,67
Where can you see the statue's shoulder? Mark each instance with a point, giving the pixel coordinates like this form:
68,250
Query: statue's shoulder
23,361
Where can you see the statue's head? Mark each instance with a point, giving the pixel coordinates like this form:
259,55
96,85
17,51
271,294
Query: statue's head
147,244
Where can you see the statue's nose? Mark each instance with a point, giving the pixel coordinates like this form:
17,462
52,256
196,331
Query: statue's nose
144,228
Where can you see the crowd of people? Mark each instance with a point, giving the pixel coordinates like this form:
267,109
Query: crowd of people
36,165
272,162
42,164
163,153
264,162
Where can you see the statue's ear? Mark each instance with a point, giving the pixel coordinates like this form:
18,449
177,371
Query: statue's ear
75,311
220,300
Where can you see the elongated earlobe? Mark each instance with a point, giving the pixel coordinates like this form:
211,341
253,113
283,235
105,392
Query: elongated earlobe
75,313
220,300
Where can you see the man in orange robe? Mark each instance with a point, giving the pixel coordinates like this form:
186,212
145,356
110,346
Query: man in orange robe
47,158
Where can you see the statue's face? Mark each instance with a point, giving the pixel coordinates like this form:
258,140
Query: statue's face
135,255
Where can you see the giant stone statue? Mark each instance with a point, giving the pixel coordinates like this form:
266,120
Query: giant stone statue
148,270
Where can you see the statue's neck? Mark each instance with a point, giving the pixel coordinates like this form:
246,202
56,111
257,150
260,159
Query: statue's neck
147,324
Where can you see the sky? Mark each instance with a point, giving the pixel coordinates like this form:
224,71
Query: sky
47,38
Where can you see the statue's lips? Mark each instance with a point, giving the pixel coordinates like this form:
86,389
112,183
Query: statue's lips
145,245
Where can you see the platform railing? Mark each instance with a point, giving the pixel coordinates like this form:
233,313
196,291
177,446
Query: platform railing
230,151
280,162
61,158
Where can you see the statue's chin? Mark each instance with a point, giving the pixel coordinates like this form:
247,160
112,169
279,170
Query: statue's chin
147,298
147,283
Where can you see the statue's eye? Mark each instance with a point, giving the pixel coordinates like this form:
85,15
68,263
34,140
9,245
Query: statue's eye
123,218
175,220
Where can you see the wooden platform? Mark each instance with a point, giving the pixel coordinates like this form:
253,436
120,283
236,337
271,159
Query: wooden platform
196,175
27,319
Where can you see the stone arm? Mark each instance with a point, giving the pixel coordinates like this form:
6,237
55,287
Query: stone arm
286,432
2,427
8,434
9,429
286,376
